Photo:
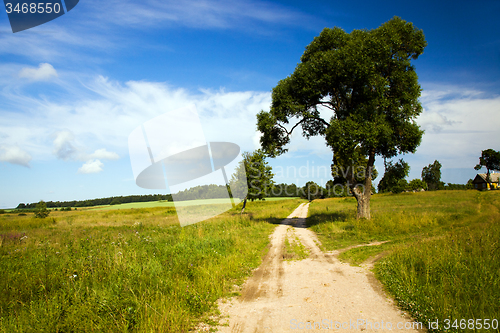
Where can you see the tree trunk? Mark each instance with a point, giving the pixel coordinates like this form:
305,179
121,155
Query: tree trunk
244,205
363,197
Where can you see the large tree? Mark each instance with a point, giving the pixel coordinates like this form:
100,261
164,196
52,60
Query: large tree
490,159
360,91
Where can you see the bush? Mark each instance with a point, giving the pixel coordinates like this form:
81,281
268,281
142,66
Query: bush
41,211
2,211
417,185
400,186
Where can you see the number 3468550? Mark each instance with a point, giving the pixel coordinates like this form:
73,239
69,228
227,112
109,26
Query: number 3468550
33,8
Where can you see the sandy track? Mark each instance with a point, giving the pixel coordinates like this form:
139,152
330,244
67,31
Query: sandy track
315,294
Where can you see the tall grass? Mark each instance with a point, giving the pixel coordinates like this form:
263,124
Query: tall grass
125,270
445,264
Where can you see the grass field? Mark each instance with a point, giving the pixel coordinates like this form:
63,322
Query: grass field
129,270
442,260
153,204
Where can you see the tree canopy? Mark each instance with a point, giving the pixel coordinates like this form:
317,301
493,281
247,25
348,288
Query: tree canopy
359,90
431,175
394,177
253,173
490,159
41,211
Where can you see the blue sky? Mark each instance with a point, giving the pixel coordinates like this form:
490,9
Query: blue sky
73,89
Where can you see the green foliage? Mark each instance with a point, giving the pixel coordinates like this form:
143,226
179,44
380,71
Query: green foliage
41,211
211,191
417,185
115,201
285,190
312,191
450,186
393,179
253,173
2,211
100,201
490,159
400,186
366,80
431,175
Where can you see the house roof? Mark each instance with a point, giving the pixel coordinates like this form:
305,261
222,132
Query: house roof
494,177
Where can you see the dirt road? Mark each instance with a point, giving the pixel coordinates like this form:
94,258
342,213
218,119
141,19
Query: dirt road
315,294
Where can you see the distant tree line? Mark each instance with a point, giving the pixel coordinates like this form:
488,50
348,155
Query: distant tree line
99,201
211,191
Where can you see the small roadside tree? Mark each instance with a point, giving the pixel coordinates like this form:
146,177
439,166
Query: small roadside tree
431,175
360,91
41,211
253,173
490,159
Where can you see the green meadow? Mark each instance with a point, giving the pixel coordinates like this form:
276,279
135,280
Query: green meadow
128,270
441,260
137,270
153,204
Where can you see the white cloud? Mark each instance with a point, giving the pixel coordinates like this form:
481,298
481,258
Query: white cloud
106,112
14,155
92,166
44,72
104,155
458,124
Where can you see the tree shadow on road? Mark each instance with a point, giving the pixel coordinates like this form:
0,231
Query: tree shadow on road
327,217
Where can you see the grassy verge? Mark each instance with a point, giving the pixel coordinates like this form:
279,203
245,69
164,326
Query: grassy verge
443,260
125,270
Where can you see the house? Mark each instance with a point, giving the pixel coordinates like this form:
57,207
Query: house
480,182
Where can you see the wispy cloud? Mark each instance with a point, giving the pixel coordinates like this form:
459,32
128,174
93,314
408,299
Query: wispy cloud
64,147
205,14
458,124
107,111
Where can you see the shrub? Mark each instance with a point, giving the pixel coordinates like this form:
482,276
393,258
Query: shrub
41,211
417,185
